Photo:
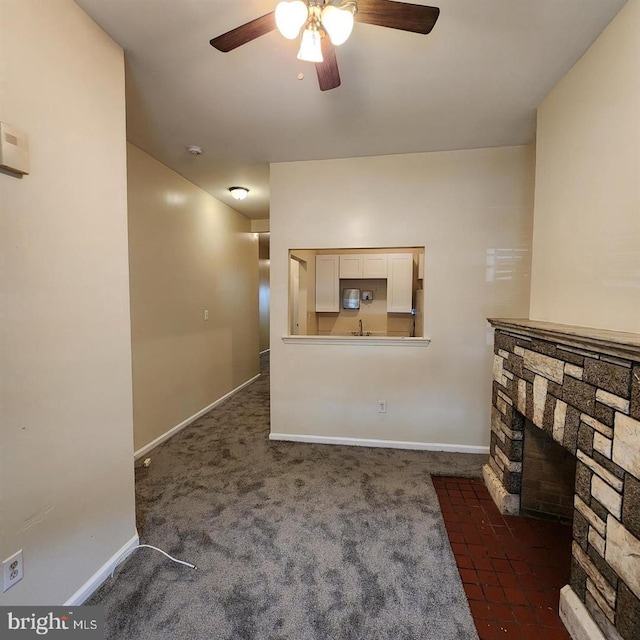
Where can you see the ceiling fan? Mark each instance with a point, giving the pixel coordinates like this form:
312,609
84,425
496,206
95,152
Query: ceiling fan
326,24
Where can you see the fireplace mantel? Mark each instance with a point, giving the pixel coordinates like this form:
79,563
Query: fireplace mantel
615,343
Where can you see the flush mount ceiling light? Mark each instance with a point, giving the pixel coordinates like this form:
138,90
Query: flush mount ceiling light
239,193
325,24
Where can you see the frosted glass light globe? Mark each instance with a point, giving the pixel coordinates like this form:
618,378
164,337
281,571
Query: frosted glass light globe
310,46
338,23
290,16
239,193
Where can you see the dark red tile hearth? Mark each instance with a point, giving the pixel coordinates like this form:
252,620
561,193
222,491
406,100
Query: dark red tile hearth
512,569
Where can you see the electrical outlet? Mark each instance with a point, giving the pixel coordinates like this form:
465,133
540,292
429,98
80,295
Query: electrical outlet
382,406
206,314
12,570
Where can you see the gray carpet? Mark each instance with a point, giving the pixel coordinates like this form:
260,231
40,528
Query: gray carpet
292,541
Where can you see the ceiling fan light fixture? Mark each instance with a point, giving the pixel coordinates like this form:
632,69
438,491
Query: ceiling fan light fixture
239,193
310,47
315,20
338,23
290,16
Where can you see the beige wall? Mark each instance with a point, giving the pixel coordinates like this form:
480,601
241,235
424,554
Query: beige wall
472,210
66,451
260,226
188,252
586,249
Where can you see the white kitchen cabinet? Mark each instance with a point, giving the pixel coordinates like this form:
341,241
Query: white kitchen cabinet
354,266
328,283
399,282
351,266
374,265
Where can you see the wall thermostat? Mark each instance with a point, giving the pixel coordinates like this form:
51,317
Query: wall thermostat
14,149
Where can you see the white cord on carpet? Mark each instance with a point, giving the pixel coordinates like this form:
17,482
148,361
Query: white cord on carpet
148,546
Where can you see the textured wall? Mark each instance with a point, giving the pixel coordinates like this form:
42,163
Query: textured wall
66,460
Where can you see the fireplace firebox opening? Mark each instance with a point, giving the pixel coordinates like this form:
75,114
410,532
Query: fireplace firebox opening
548,477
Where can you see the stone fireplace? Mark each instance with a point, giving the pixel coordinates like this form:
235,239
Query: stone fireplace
580,387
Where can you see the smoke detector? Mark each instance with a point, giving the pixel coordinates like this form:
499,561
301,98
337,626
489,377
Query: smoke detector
194,150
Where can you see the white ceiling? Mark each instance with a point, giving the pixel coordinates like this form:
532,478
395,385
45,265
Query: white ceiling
475,81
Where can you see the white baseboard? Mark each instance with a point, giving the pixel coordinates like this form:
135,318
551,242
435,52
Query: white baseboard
94,582
167,434
387,444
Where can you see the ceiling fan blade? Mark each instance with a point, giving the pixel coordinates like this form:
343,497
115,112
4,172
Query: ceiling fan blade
245,33
397,15
328,74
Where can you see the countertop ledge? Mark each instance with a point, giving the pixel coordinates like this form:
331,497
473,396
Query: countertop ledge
377,341
617,343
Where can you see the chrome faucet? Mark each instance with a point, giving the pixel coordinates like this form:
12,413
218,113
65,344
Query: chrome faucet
360,332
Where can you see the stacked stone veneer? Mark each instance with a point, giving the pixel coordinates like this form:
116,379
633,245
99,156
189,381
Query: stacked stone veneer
589,402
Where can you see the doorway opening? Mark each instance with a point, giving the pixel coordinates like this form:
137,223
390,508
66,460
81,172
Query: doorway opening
298,288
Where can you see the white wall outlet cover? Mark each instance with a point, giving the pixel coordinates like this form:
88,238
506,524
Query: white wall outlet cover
14,149
12,570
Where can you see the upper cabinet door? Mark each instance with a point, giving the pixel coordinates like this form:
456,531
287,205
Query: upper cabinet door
400,282
375,265
327,283
363,265
351,266
421,266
